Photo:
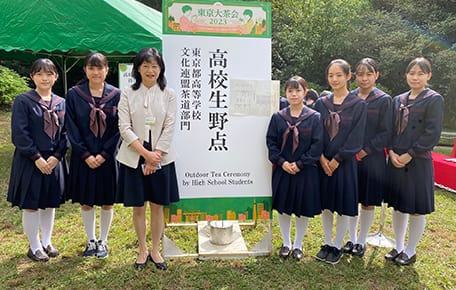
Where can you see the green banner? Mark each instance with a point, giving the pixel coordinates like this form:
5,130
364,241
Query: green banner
230,18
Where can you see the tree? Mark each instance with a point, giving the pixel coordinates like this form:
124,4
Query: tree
396,31
307,34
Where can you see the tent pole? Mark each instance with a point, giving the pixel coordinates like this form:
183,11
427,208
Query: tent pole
65,85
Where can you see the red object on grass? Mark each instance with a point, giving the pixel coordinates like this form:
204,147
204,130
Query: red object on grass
453,153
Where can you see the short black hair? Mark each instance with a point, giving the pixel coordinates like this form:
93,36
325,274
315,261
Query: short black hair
147,55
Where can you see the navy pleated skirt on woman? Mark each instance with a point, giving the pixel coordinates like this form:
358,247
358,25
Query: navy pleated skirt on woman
134,188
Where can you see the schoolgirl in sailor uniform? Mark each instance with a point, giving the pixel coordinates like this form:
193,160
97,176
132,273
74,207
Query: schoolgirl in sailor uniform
147,174
294,141
92,125
344,117
371,159
417,115
38,170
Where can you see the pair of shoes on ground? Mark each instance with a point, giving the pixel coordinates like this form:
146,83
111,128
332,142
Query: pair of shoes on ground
400,259
285,252
97,249
329,254
43,255
354,249
141,266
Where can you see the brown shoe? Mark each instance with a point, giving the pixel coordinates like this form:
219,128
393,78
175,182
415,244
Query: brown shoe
38,256
51,251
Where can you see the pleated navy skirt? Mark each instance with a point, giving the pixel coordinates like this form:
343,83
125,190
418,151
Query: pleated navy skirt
339,192
135,189
92,186
411,189
297,194
31,189
372,181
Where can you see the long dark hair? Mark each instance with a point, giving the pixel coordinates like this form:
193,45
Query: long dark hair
369,63
96,59
93,59
422,62
147,55
43,64
294,83
345,68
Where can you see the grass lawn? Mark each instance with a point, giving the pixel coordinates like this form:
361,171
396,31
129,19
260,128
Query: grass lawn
434,269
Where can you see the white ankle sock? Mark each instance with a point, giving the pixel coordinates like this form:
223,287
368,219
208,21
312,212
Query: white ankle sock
285,226
341,229
353,228
88,218
366,217
46,225
416,230
105,223
327,220
31,225
400,228
301,228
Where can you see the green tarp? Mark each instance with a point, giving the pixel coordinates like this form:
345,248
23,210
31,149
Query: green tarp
76,27
66,30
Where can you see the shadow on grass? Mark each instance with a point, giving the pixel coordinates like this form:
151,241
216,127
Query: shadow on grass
73,271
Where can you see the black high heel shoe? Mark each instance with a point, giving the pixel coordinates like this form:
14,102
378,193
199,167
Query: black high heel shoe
160,266
142,266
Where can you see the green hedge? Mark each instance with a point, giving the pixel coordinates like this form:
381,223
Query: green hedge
11,85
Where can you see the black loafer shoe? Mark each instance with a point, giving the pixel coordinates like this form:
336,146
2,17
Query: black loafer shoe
323,253
403,260
348,248
38,256
51,251
160,266
334,256
284,252
141,266
391,255
358,250
297,254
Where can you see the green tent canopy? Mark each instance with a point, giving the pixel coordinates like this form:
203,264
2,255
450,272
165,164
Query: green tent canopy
67,31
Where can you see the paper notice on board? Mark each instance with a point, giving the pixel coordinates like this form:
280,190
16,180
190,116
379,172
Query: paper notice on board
254,97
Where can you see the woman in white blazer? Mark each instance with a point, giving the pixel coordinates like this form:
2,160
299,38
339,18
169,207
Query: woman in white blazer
147,113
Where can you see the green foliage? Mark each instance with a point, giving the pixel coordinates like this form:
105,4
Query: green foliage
307,34
396,31
11,84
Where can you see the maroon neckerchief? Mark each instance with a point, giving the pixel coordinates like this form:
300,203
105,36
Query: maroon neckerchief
332,121
286,115
97,125
404,111
51,120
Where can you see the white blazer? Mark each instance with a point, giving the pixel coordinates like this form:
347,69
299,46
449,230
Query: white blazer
142,111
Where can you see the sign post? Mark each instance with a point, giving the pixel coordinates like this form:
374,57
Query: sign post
218,59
